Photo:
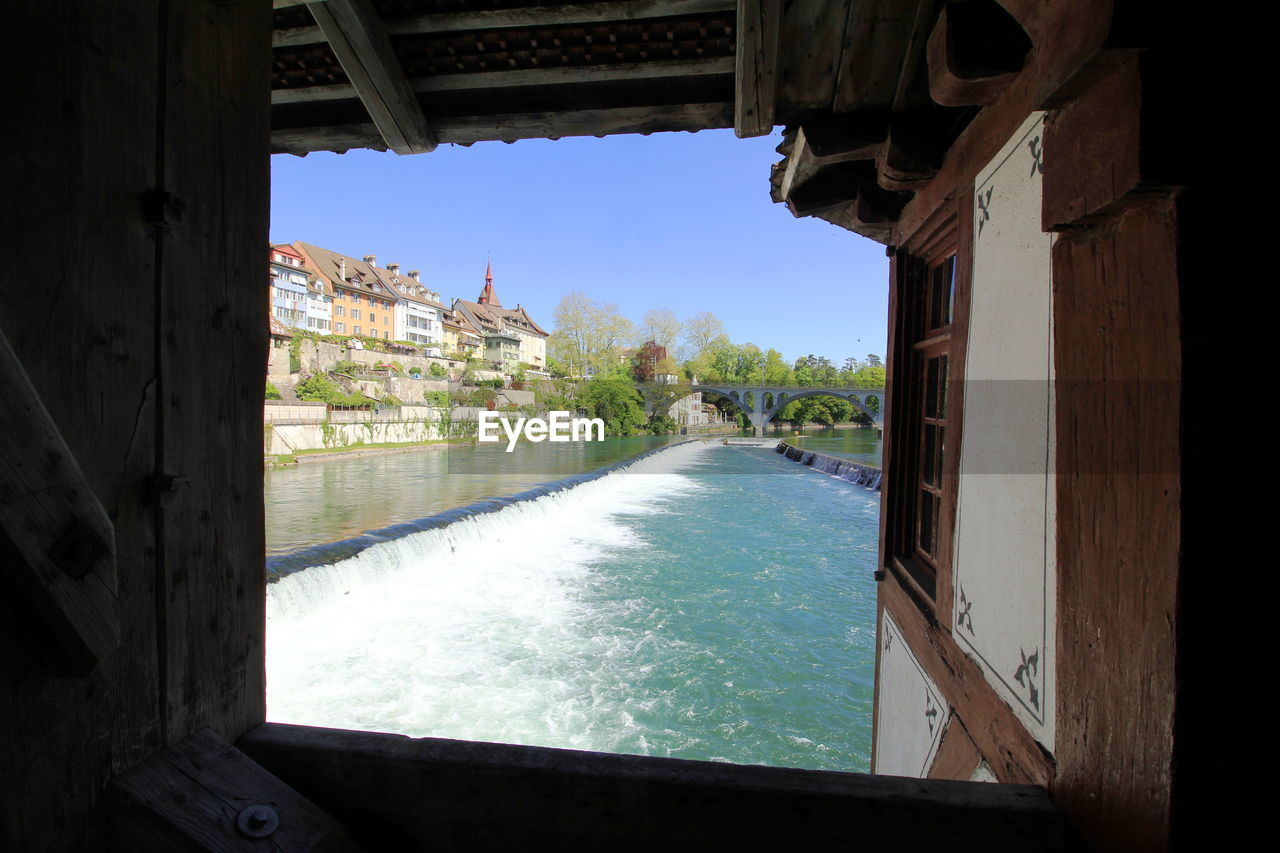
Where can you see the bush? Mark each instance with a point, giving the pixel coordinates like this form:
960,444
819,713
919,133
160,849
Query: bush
437,370
273,393
350,368
319,388
436,398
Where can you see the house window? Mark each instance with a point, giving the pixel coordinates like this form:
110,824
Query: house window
355,313
341,327
356,330
339,311
929,313
373,318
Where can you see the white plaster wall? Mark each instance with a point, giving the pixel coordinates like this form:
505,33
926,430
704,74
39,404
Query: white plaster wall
911,710
1004,605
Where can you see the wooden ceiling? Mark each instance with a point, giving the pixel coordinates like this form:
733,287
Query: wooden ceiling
867,121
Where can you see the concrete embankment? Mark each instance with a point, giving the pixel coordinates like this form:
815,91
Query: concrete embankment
845,469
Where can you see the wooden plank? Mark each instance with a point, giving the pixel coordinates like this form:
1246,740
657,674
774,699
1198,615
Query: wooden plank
1119,501
59,544
482,80
211,579
191,798
756,79
812,34
1013,754
400,793
876,44
958,756
523,17
360,42
72,179
464,130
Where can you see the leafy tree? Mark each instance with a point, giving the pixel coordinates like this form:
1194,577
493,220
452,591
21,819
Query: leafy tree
775,370
616,402
644,366
588,333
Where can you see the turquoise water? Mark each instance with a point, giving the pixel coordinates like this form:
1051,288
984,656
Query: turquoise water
860,445
707,602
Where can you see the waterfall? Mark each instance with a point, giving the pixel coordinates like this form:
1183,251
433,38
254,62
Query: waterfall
844,469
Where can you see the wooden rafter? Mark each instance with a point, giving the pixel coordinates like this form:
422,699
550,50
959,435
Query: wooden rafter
479,80
508,127
755,92
522,17
362,46
57,542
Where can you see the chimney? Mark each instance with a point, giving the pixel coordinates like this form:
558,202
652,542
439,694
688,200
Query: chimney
416,275
342,268
394,269
371,260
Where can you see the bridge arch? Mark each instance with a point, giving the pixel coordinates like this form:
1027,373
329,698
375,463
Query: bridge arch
854,396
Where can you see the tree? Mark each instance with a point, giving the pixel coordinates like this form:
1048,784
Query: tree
874,360
700,332
662,327
616,402
588,334
647,360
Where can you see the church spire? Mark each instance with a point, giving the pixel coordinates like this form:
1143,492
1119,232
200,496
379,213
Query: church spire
488,296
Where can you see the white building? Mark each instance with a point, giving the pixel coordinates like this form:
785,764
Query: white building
288,287
419,314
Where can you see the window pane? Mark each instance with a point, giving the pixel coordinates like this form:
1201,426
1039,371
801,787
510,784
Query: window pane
931,383
942,387
928,509
942,282
929,465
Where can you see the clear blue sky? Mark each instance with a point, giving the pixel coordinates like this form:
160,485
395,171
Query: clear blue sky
673,220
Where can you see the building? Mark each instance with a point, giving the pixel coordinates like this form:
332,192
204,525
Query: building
288,287
419,315
510,335
461,340
363,305
132,691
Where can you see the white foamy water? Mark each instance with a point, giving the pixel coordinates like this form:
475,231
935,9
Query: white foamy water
480,630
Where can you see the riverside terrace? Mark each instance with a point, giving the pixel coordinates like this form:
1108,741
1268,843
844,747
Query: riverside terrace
1048,179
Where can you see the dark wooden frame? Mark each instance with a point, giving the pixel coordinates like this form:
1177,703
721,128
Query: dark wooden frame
928,577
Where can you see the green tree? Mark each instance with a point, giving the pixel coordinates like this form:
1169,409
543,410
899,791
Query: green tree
615,401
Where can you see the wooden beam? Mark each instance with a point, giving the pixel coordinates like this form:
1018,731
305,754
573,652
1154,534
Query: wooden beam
57,543
445,794
569,14
204,794
481,80
509,127
755,92
974,52
362,46
877,42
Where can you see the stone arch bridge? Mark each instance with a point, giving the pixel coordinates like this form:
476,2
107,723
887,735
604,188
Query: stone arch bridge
761,402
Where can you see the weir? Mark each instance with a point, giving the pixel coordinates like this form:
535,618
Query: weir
844,469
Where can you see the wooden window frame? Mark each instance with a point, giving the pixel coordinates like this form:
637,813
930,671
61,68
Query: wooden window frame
927,577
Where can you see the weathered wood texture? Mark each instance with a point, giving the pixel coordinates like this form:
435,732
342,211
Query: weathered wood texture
211,275
59,583
518,17
1064,37
1116,358
464,130
360,41
756,89
113,319
191,798
72,181
958,756
396,793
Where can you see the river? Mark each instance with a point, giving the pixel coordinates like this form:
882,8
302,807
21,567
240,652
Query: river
704,602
